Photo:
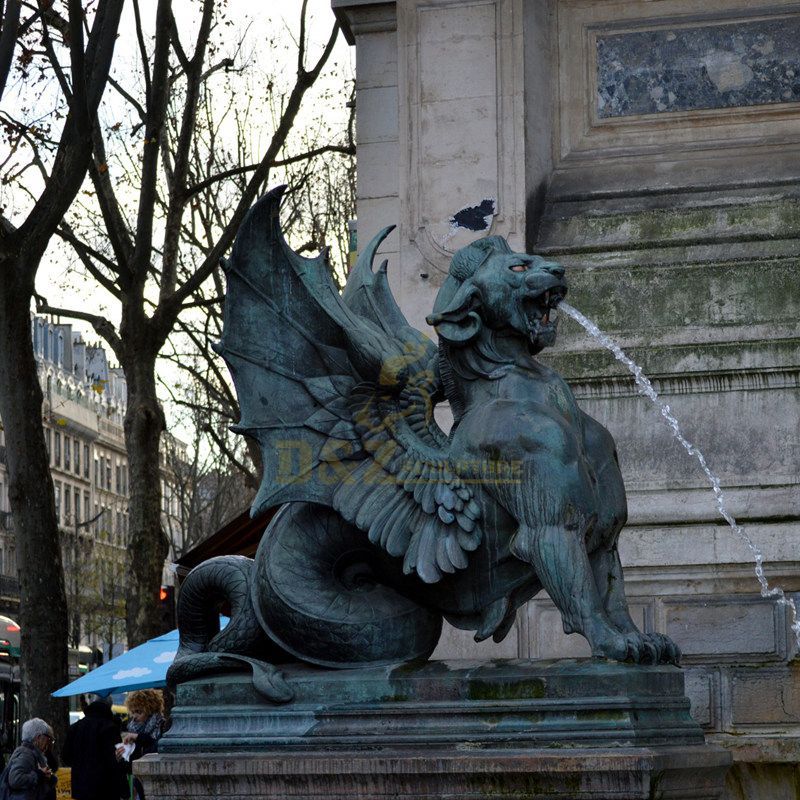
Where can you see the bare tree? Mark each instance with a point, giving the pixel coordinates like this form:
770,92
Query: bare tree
206,489
23,240
153,261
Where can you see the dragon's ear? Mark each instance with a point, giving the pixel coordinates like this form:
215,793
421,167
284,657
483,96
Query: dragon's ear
459,322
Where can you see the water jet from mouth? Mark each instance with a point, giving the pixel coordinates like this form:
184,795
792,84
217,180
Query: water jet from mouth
645,387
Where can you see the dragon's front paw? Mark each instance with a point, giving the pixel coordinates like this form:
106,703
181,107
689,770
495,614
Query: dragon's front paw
668,651
636,647
632,646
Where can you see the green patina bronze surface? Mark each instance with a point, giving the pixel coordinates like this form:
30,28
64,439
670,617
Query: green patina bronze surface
496,705
390,525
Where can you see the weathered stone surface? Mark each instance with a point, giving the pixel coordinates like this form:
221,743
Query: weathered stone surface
678,773
495,704
680,231
563,730
762,781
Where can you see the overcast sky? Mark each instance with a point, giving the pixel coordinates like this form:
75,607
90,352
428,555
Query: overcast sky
62,285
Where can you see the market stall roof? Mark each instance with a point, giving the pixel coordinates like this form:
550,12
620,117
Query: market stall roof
240,537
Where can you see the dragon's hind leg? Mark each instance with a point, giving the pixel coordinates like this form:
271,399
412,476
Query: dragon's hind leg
325,594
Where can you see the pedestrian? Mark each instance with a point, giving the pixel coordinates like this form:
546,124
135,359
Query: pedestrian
52,762
145,726
27,774
90,749
146,723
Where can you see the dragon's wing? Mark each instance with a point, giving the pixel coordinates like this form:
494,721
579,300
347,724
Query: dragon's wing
339,392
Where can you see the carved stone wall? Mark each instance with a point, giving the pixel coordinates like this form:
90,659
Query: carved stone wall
653,148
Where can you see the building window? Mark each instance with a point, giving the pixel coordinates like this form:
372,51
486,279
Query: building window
57,490
77,506
108,474
119,479
67,505
57,438
48,436
86,506
77,446
67,453
96,471
86,461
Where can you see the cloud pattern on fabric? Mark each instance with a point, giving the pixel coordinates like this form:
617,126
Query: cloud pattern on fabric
135,672
167,657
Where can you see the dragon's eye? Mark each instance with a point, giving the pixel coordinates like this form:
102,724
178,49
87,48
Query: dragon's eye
519,268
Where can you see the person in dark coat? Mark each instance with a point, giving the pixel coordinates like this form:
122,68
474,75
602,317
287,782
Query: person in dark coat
29,777
90,749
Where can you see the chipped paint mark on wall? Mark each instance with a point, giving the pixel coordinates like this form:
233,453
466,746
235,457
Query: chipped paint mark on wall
470,218
475,218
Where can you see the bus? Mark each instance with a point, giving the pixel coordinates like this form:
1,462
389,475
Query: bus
79,659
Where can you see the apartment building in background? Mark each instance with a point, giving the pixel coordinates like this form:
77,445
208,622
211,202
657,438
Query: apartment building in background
82,413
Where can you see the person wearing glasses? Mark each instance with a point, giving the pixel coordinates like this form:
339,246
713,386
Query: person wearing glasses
27,774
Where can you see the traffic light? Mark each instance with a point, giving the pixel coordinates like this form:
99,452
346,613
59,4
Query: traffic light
166,608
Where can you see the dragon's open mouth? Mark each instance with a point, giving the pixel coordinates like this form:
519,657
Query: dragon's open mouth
541,315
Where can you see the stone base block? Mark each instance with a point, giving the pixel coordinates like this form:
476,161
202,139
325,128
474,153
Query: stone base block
562,730
670,773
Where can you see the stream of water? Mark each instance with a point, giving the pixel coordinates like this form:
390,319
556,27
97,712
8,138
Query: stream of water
645,388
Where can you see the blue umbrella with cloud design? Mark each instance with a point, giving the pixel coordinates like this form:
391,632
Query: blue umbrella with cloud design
142,667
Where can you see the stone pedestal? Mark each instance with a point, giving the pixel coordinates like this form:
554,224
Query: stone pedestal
511,729
677,214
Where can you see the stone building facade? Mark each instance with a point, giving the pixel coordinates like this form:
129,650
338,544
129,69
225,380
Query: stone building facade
83,413
652,147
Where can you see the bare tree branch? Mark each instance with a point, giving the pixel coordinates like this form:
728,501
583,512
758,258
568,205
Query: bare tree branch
182,153
137,106
116,227
86,254
344,149
157,98
8,40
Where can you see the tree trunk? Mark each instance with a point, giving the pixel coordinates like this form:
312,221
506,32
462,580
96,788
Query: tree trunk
43,603
144,423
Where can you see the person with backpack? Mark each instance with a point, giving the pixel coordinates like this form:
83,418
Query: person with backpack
27,776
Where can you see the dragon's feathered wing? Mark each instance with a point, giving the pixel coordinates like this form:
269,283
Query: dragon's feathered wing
339,391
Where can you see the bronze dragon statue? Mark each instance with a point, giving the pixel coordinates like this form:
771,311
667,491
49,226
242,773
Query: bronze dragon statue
388,524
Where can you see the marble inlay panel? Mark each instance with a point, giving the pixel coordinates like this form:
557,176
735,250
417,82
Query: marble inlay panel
684,69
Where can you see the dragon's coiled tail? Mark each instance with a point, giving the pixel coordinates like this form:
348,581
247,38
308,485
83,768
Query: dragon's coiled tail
327,596
203,647
218,580
318,591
